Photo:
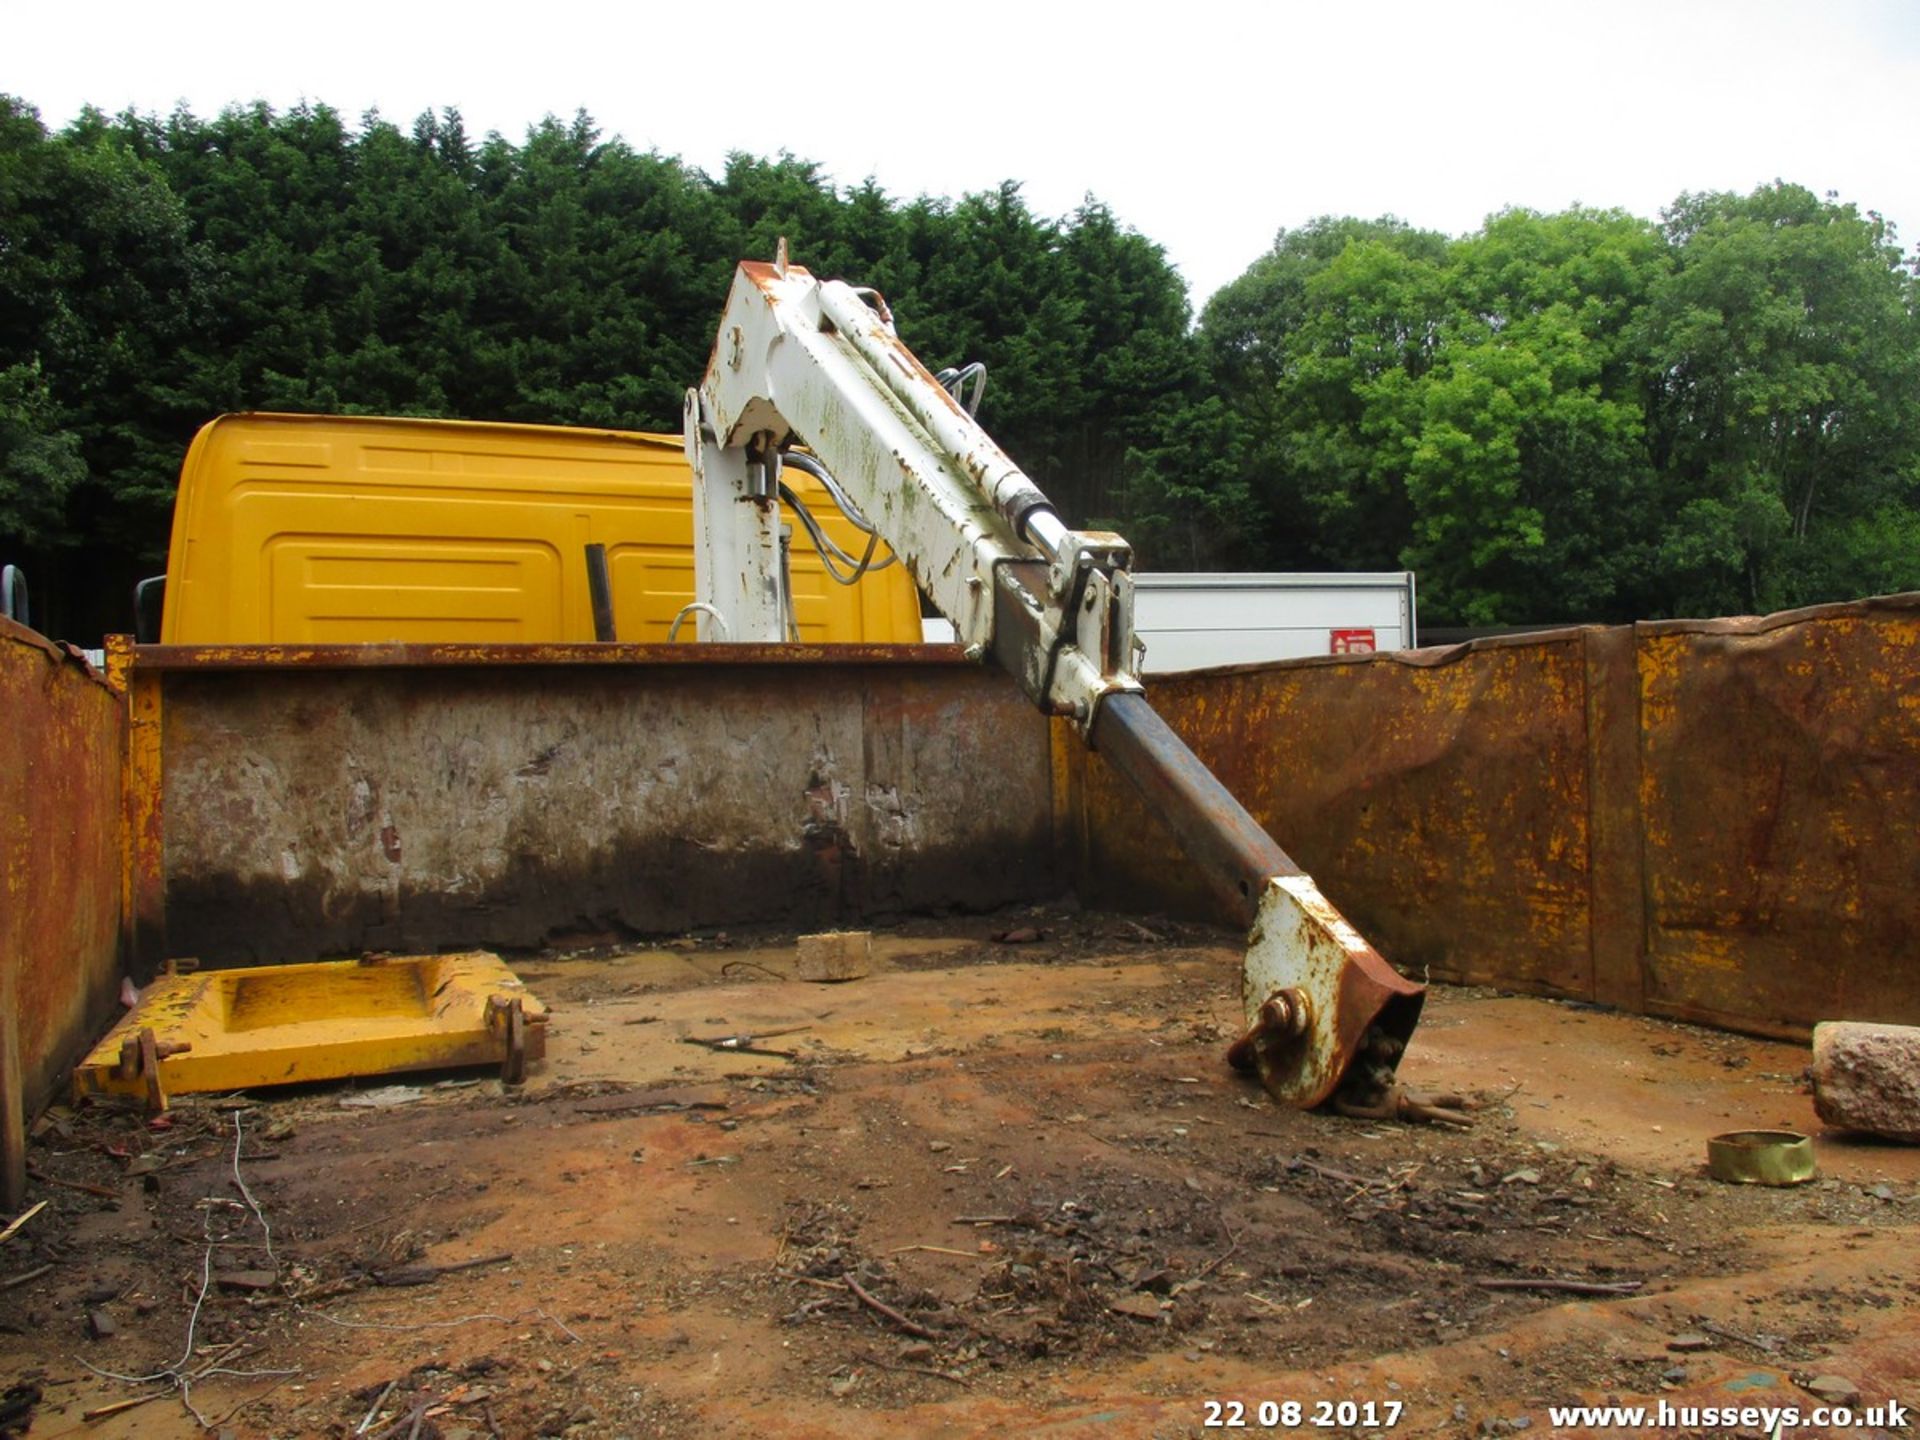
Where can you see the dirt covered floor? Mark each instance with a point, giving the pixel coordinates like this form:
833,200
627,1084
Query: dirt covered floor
998,1187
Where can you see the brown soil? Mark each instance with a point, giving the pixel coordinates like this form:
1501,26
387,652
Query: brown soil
996,1189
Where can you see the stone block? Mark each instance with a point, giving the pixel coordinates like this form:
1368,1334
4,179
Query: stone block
1867,1078
835,955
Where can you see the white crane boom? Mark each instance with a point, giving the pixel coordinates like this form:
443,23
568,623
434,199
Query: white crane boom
798,359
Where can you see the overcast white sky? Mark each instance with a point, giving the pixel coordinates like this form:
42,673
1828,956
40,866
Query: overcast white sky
1207,126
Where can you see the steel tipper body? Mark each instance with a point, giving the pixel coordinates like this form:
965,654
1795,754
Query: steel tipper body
798,360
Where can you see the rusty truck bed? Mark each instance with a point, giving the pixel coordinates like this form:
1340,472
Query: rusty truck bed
999,1186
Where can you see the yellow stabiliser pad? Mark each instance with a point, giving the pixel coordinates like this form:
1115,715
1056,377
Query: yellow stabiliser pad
282,1024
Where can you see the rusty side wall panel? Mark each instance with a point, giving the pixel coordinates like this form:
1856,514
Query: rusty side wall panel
1780,790
1438,797
61,751
322,812
1708,820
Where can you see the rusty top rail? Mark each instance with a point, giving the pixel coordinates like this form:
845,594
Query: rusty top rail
1902,602
12,632
387,655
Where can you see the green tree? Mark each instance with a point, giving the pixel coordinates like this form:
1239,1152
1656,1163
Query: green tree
1189,502
1527,469
1785,406
1293,346
40,460
1585,415
1577,415
1082,324
616,268
100,287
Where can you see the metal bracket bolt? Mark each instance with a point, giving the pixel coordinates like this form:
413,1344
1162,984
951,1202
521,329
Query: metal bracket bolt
1285,1014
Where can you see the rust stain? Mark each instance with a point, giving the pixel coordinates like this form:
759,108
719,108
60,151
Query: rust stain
60,851
1780,774
1721,810
1441,804
1760,867
425,656
145,821
312,812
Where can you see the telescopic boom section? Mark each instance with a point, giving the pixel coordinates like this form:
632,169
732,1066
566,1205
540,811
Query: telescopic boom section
799,360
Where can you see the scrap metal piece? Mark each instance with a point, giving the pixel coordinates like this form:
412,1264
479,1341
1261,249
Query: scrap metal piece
139,1063
507,1016
1761,1157
284,1024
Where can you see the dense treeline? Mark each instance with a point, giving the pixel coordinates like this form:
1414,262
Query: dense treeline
1584,415
157,272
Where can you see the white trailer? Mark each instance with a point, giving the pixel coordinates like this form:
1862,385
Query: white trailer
1193,621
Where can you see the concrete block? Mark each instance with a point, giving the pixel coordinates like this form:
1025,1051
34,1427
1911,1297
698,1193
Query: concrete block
835,955
1867,1077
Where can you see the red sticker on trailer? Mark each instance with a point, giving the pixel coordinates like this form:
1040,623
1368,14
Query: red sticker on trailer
1352,642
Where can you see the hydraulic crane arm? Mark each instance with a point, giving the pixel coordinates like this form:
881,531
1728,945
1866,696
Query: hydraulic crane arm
799,359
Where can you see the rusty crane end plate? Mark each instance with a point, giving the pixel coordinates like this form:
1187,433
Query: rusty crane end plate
1320,1001
1325,1012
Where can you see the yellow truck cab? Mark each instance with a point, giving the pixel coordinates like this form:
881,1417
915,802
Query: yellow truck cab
331,528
